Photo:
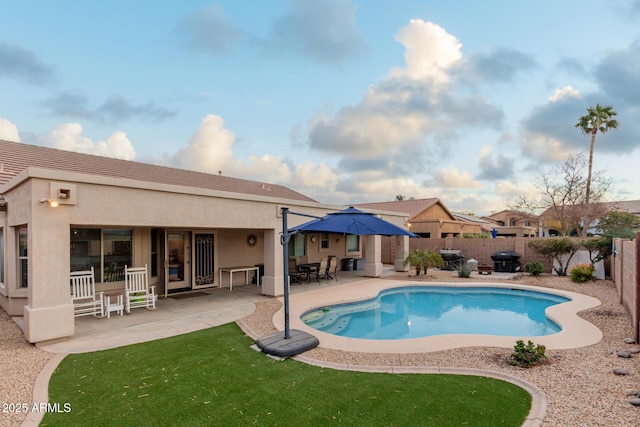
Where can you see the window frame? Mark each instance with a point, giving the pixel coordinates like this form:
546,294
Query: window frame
358,242
102,243
324,243
22,271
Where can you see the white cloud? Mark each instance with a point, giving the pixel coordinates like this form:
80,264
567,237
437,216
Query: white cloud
565,92
430,51
453,177
411,109
209,150
510,191
544,147
8,131
68,136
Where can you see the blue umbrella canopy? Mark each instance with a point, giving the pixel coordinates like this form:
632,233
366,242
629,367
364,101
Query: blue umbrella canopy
352,221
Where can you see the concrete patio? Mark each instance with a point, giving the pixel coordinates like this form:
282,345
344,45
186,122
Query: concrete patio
178,314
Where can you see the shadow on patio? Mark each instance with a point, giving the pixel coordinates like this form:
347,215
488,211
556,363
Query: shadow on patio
179,314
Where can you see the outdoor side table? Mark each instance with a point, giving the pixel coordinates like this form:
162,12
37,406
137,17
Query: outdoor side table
113,303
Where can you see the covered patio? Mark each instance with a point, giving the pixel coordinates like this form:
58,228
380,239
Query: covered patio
179,314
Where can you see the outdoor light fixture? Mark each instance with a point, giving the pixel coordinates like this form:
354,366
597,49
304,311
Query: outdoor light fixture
52,203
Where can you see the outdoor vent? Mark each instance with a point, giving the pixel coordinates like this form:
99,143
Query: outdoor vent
64,193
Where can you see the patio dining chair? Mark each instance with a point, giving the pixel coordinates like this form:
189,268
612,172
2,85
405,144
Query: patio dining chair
83,294
332,269
137,292
323,271
295,272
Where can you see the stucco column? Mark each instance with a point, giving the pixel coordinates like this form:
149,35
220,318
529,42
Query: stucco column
49,313
373,263
402,251
273,279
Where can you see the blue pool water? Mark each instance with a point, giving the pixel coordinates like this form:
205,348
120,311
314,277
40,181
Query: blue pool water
418,311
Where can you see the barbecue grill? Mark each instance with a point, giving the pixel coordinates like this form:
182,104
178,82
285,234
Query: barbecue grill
453,258
506,261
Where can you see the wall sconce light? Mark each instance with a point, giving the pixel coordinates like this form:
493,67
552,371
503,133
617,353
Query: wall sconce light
52,203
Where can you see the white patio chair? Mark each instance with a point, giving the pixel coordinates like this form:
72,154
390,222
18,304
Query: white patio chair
137,292
83,294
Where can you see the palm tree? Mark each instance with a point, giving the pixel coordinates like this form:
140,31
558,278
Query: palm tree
598,118
423,259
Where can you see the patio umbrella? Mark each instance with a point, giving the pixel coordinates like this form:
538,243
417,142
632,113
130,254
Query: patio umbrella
348,221
352,221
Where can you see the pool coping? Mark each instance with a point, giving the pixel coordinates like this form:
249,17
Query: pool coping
576,332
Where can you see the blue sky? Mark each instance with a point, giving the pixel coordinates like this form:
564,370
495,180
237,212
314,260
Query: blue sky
345,101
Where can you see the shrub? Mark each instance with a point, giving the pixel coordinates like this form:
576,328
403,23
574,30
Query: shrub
558,250
528,355
534,268
582,272
463,271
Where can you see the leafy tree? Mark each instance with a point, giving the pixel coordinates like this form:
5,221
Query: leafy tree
555,249
618,223
598,119
613,224
599,248
399,197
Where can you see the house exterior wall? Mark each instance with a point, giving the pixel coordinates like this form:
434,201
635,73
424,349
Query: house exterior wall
101,202
434,212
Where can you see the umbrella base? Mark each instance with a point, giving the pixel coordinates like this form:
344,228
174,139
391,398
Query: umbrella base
277,345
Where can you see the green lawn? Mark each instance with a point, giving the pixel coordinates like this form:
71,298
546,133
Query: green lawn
212,377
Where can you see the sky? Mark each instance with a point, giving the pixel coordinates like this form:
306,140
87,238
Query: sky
345,101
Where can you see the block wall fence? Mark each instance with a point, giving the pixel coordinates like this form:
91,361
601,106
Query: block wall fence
478,249
626,275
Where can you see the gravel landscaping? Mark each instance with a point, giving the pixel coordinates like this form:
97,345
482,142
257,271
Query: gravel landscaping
20,364
580,384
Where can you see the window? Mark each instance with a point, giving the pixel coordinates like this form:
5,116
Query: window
23,259
1,255
107,251
324,241
298,245
353,243
527,223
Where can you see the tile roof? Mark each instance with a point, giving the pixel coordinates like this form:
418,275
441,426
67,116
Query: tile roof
15,157
470,218
413,207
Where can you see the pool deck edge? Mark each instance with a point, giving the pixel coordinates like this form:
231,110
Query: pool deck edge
576,332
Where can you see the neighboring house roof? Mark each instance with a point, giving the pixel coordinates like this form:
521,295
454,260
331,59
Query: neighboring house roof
413,207
470,218
484,224
631,206
15,157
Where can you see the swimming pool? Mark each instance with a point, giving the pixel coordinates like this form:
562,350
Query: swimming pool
420,311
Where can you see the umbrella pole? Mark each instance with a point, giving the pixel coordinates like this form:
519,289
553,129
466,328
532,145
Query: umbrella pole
285,256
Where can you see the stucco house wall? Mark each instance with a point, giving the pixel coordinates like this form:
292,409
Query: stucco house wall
108,202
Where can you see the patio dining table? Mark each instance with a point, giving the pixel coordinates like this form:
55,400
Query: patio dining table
311,267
